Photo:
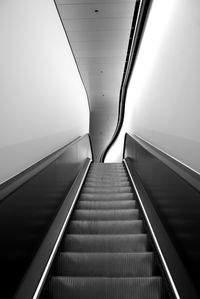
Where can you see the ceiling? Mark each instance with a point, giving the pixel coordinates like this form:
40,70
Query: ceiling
98,31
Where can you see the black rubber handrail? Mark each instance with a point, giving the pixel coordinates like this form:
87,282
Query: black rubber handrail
35,277
142,8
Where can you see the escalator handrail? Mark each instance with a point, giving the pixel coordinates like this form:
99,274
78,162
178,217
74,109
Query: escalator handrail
35,277
142,8
174,269
15,182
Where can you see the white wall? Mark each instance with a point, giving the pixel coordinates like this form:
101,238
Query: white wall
163,101
43,104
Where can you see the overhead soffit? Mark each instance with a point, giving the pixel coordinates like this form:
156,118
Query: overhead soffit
99,41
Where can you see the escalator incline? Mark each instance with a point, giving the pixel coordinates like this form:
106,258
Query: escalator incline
105,252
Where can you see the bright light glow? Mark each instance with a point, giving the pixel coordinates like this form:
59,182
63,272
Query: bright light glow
155,33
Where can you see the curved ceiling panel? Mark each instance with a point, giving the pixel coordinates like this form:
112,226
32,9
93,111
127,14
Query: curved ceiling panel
98,32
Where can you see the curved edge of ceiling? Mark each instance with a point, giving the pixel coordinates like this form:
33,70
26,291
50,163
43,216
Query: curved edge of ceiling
54,1
142,8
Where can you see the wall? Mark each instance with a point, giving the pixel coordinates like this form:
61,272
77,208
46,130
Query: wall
43,104
163,97
103,121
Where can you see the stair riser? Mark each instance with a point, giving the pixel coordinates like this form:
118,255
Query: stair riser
107,265
106,227
107,190
106,197
106,185
105,288
106,205
106,243
105,215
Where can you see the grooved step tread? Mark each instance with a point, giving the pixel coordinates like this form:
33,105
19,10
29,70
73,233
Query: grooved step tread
126,204
105,288
105,252
106,227
114,173
107,184
107,180
130,214
108,177
105,264
115,189
105,243
106,196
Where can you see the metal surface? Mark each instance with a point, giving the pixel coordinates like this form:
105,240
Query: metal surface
28,211
35,277
15,182
98,32
189,174
97,257
177,205
173,266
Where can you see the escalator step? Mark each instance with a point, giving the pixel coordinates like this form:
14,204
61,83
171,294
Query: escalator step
115,172
107,180
112,164
108,173
105,252
104,169
131,214
105,288
107,184
107,176
106,166
107,190
106,197
126,204
106,227
105,243
105,264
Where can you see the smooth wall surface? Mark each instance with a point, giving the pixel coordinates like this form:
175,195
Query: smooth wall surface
103,121
43,104
163,97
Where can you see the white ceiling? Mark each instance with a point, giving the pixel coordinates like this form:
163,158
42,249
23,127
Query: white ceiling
99,41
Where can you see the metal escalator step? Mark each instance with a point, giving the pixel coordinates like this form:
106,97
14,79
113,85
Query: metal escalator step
105,288
97,164
115,204
101,178
106,190
113,173
105,264
108,170
106,227
104,166
105,243
106,196
106,184
110,164
130,214
108,173
107,178
107,166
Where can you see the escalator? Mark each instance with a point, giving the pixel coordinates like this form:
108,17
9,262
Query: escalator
106,251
